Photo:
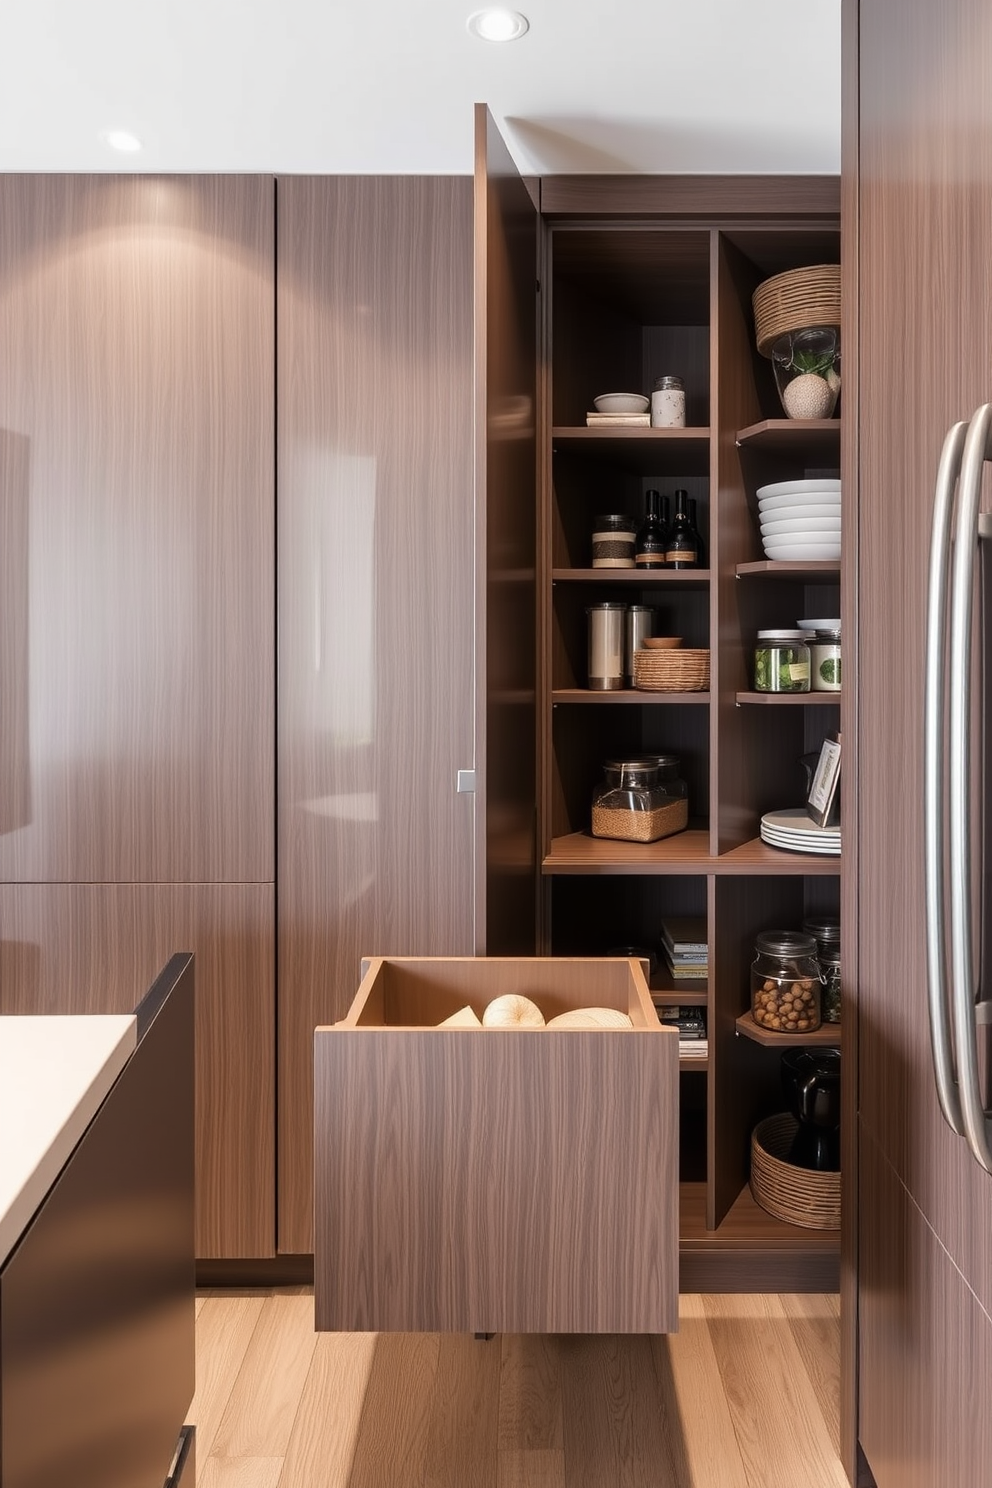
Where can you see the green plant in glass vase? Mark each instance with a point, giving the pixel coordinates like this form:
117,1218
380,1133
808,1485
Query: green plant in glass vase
806,366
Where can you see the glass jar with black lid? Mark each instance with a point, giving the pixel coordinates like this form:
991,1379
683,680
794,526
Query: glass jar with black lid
826,929
785,982
633,804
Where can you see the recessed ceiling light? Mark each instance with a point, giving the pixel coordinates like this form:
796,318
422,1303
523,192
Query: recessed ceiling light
498,25
121,139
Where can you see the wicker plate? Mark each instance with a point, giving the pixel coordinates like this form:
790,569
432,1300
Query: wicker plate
794,301
672,671
800,1196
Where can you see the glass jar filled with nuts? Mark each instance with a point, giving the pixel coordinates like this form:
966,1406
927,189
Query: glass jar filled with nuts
785,982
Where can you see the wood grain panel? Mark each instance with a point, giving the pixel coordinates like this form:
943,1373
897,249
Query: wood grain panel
450,1168
507,522
83,948
137,366
925,150
925,1345
672,197
375,605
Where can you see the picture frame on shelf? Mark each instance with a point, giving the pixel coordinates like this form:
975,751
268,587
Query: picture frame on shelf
823,796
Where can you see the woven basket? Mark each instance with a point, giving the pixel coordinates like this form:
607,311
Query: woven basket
672,671
800,1196
794,301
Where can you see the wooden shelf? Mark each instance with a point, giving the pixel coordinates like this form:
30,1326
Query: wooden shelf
701,1064
686,852
628,695
807,437
822,568
687,578
664,988
580,852
827,1035
789,699
647,451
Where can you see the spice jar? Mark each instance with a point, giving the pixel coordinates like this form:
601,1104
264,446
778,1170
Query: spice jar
785,982
826,929
824,653
614,541
668,404
631,805
781,661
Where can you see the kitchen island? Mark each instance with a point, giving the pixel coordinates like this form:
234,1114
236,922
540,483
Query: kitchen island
96,1244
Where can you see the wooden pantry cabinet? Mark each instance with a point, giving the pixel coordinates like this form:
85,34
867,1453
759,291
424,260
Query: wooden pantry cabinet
640,277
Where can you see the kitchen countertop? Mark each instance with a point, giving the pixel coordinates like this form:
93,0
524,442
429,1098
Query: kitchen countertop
54,1074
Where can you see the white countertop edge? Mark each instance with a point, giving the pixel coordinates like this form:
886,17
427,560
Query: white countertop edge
55,1072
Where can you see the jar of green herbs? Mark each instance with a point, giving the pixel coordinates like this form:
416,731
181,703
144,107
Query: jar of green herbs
781,661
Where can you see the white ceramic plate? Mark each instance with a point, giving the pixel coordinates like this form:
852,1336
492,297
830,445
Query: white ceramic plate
800,525
831,840
801,552
819,850
814,497
793,819
798,487
818,624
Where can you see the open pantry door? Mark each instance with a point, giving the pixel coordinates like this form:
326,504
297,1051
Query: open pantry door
506,414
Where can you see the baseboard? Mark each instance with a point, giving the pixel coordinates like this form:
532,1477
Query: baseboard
269,1271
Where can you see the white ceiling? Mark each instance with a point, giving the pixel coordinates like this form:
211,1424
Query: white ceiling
302,86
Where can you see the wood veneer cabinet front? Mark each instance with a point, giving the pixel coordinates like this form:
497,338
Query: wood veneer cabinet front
137,803
375,608
83,948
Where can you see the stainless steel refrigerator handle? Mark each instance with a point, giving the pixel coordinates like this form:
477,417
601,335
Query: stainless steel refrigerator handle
941,1038
977,1127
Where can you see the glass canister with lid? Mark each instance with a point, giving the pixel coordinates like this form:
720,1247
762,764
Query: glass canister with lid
632,803
826,929
781,661
785,982
824,651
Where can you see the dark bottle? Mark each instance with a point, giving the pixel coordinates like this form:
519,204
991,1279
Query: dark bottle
700,550
649,551
682,550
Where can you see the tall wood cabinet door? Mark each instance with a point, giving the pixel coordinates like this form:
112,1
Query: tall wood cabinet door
506,418
924,360
95,948
375,606
136,519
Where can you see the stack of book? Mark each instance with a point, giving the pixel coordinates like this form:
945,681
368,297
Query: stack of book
618,420
691,1024
684,946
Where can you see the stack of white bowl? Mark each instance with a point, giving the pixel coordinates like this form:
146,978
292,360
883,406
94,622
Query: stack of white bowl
800,519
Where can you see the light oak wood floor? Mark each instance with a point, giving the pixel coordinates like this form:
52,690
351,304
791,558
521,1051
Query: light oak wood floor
745,1395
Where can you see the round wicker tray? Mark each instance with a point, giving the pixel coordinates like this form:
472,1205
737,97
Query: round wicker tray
677,670
794,301
800,1196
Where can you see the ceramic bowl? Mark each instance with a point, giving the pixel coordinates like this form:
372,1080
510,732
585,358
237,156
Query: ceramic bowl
661,643
621,403
798,487
800,525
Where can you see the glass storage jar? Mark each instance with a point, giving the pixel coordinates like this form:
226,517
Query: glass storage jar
631,804
824,652
781,661
826,929
785,982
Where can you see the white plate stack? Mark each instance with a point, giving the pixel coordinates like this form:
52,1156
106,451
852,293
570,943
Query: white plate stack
800,519
793,830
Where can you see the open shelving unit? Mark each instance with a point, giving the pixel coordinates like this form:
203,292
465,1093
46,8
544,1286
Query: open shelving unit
630,300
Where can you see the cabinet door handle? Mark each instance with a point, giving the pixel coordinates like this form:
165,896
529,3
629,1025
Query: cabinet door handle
977,1126
935,702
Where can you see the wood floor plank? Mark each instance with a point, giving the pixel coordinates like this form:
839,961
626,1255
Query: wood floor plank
322,1443
529,1394
813,1319
531,1469
777,1420
239,1472
621,1423
393,1433
707,1426
266,1395
462,1435
223,1333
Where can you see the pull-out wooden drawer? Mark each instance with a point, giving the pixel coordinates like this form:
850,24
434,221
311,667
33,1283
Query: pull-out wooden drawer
496,1180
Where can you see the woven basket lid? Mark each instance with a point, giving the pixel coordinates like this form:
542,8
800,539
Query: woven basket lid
794,301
